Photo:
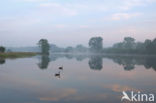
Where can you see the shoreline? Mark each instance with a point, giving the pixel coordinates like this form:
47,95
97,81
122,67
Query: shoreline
17,54
108,54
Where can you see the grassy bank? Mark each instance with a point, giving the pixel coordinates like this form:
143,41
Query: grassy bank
17,54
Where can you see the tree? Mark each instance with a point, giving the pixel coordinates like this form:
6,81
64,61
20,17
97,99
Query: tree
96,44
2,49
44,45
129,43
140,47
154,46
80,48
118,45
147,42
69,49
151,47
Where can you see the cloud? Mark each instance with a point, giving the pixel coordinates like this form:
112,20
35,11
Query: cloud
84,26
120,88
58,95
61,26
129,4
58,9
34,0
120,16
50,5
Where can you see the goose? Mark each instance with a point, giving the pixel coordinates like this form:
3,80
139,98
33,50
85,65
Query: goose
61,68
57,74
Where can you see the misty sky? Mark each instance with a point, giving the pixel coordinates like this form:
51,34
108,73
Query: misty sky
71,22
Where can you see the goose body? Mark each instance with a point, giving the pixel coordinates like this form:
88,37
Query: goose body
57,75
61,68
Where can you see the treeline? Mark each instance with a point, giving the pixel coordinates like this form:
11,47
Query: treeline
95,45
2,49
128,45
77,49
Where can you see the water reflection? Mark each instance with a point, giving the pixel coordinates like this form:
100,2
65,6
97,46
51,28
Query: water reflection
150,63
77,83
2,61
44,61
95,62
129,62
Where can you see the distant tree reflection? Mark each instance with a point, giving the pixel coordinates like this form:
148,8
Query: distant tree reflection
80,57
69,56
43,64
129,62
2,61
95,62
150,63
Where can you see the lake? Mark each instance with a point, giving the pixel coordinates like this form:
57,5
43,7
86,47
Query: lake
83,79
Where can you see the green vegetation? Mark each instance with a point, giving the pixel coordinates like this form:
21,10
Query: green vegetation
17,54
78,49
2,49
127,46
44,45
7,54
95,44
130,46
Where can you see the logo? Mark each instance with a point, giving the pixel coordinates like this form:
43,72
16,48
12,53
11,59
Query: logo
137,97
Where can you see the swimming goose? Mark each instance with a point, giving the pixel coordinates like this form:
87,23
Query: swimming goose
57,74
61,68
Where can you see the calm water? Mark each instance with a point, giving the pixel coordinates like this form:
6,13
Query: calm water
84,79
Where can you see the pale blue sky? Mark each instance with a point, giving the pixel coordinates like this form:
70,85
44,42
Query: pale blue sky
71,22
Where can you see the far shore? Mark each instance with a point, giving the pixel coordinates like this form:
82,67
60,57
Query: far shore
106,54
17,54
30,54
